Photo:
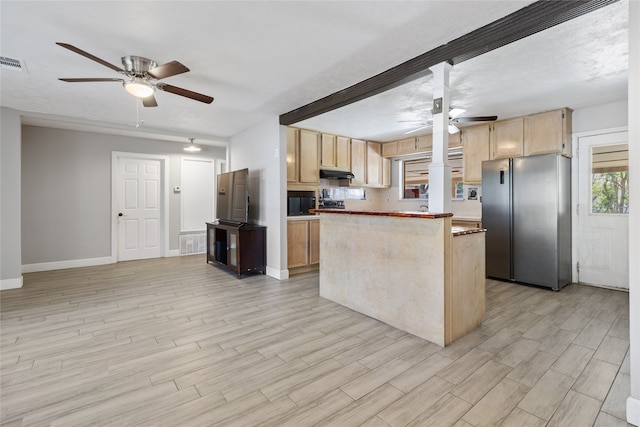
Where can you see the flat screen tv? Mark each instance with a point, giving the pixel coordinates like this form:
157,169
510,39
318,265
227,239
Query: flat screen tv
232,204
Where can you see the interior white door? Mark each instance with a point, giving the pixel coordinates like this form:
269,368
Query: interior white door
139,208
603,228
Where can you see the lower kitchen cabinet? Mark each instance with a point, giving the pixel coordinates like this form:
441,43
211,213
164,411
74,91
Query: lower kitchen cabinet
303,244
241,249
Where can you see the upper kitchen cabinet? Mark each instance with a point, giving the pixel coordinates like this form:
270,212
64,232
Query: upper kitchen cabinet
548,132
293,138
336,153
507,138
303,157
358,162
419,145
475,143
374,164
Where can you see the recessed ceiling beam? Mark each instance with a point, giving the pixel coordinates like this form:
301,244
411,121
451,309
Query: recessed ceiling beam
529,20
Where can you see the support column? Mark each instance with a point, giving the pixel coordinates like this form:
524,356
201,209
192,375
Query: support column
440,169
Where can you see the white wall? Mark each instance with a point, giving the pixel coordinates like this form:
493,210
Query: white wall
633,403
10,243
603,116
66,193
263,149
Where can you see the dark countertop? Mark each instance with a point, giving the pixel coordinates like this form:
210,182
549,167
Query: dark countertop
403,214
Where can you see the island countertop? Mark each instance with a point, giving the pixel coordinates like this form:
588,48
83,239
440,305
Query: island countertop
404,214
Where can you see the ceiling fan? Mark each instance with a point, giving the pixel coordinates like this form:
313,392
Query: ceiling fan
454,118
141,75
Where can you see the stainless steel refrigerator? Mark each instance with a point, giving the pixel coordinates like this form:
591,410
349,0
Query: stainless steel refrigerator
526,209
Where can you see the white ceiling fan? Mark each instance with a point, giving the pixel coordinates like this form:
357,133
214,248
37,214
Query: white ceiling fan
454,118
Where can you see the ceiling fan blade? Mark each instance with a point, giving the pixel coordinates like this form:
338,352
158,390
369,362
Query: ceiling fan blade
184,92
92,80
167,70
475,119
90,56
149,101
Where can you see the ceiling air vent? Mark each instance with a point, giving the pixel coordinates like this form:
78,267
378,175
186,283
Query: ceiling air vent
12,64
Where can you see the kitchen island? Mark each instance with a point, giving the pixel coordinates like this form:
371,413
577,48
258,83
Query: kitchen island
411,270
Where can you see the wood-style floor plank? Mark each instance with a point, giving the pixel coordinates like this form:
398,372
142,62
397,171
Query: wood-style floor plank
176,341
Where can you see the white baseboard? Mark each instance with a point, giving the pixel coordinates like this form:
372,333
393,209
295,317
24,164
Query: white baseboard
277,274
174,252
60,265
6,284
633,411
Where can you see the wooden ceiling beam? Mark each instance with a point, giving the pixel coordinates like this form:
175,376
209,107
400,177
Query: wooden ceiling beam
522,23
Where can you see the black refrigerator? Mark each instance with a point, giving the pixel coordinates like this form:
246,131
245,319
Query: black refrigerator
526,209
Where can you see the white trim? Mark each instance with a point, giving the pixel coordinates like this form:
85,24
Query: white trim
61,265
164,161
574,191
633,411
277,274
6,284
174,252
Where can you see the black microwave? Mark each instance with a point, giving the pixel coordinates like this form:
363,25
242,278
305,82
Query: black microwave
299,202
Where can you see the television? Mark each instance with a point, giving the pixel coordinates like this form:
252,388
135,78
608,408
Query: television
232,204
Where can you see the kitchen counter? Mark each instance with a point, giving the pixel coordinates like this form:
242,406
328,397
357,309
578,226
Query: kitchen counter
411,270
303,217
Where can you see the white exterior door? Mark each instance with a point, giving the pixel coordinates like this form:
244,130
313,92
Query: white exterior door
139,208
603,220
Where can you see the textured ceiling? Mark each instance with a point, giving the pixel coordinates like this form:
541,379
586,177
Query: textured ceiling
262,59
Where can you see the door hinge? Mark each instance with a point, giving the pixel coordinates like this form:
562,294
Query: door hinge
578,209
578,266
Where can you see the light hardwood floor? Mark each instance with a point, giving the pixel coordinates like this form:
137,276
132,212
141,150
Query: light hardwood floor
178,342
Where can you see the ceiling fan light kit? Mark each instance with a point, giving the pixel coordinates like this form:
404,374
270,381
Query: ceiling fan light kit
139,87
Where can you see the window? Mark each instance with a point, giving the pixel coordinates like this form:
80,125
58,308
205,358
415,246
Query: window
610,179
415,177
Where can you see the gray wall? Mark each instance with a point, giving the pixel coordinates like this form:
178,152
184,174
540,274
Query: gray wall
66,191
10,263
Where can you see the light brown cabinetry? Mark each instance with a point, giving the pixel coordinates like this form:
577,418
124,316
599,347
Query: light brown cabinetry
548,132
507,138
386,172
421,144
358,162
303,157
374,164
303,243
390,149
336,152
475,141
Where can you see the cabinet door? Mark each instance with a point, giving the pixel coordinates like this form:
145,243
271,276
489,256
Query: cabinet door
358,161
475,142
328,158
314,241
546,133
232,249
455,140
407,146
386,172
390,149
309,157
507,138
374,163
292,154
297,243
343,153
424,143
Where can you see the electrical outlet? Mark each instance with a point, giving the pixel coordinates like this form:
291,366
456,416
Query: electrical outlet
277,153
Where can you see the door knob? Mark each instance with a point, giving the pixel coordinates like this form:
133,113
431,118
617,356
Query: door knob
120,214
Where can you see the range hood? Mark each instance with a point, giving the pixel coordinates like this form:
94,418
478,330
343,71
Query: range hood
331,174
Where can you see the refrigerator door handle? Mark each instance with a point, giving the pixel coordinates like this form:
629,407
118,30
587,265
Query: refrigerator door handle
501,177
